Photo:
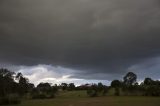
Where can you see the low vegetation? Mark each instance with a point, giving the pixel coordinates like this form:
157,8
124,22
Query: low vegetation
14,87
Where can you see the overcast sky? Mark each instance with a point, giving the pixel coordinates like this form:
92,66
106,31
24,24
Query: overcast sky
80,40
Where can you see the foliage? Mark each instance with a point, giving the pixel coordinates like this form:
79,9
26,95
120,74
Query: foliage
64,86
130,78
117,92
97,90
71,86
116,83
44,91
10,89
10,99
92,92
148,81
14,86
7,84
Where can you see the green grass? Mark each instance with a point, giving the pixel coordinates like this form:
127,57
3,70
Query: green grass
72,98
71,94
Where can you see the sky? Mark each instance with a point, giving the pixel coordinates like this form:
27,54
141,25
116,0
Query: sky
80,40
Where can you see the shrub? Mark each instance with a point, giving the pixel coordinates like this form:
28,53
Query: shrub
152,91
10,99
92,93
117,92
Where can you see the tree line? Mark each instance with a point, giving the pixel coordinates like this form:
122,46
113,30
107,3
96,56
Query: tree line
14,86
130,86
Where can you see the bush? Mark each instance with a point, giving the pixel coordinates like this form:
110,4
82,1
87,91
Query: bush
117,92
92,93
10,99
152,91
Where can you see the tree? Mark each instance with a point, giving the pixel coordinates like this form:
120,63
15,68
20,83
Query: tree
115,83
100,86
8,88
23,83
64,86
6,82
18,76
6,73
44,87
130,78
148,81
71,86
44,90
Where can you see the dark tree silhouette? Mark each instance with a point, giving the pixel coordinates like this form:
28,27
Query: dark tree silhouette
64,86
7,84
44,87
148,81
116,83
71,86
130,78
24,84
100,86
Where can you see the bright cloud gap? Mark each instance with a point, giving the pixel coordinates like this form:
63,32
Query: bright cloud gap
54,75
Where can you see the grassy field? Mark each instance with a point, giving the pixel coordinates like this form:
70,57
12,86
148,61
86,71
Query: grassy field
80,99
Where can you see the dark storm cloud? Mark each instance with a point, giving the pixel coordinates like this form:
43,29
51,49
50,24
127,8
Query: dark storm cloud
95,36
